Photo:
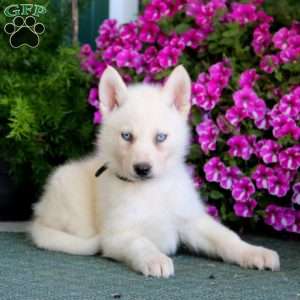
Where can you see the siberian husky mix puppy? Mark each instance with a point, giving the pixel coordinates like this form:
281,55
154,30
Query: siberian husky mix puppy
143,205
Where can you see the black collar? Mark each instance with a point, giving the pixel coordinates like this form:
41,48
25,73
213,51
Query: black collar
103,168
123,178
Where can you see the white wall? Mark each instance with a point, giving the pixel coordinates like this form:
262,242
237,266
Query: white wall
123,10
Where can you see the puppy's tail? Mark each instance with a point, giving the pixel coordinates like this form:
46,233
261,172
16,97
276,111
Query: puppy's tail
56,240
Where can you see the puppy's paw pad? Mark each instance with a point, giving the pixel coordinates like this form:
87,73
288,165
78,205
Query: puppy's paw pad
158,266
260,258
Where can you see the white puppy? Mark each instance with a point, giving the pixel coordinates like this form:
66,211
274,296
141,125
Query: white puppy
143,204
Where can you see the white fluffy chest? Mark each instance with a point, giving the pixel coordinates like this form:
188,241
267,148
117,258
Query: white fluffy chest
152,210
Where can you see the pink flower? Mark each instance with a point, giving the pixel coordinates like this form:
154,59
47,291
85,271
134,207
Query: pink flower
86,50
243,189
128,33
289,105
176,41
295,227
213,211
243,13
168,57
192,38
290,158
253,106
150,54
258,111
97,117
261,175
296,194
108,31
263,18
248,78
283,126
245,209
130,59
295,28
269,63
206,96
279,217
198,182
294,41
93,66
223,124
148,32
213,169
155,10
261,38
263,123
93,97
268,150
203,14
278,185
240,146
110,53
203,78
220,73
235,115
280,38
289,174
229,176
289,55
207,135
274,113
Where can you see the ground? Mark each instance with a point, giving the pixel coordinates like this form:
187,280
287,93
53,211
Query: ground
27,273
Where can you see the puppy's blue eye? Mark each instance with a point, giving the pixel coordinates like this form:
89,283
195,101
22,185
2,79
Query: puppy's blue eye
160,138
127,136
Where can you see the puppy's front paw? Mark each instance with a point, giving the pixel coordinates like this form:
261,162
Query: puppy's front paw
260,258
159,265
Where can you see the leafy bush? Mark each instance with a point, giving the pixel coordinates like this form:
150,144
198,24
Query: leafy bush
246,98
44,119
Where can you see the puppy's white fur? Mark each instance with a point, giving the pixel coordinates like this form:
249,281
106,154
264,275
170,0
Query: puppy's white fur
138,222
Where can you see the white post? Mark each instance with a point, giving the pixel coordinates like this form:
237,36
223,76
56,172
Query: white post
123,10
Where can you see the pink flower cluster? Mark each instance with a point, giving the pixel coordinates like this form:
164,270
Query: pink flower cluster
285,114
207,90
241,146
286,42
231,178
207,132
203,13
247,104
283,218
250,117
276,180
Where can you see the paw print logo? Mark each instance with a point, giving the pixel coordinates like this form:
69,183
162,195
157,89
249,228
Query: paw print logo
24,32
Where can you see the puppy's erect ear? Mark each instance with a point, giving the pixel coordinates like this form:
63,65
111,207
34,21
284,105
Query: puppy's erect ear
178,88
112,90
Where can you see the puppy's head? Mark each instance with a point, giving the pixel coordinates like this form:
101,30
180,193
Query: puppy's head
144,132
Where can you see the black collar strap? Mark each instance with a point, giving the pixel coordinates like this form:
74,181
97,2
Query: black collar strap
124,178
103,168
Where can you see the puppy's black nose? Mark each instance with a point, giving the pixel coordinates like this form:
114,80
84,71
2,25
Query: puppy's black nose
142,169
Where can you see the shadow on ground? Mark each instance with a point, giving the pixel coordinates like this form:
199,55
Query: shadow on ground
27,273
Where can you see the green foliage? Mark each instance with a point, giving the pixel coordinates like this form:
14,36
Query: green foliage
44,117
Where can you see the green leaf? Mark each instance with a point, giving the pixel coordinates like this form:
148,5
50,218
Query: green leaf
292,67
196,116
286,141
216,195
182,27
278,75
195,152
